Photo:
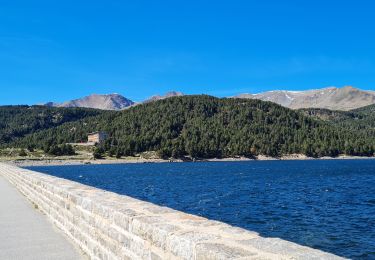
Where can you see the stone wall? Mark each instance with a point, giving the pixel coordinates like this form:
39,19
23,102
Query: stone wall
110,226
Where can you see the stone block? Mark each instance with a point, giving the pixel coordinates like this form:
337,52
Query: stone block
218,251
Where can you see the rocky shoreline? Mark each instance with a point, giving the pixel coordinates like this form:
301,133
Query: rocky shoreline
59,161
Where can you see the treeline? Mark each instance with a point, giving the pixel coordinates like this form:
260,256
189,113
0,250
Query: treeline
18,121
207,127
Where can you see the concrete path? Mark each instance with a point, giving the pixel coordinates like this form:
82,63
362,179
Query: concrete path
25,233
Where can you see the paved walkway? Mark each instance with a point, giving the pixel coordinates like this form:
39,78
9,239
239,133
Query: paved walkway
25,233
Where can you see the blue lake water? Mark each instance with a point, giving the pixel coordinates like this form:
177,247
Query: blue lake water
324,204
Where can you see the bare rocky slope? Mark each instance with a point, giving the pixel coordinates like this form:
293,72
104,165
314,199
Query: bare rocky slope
105,102
345,98
109,101
167,95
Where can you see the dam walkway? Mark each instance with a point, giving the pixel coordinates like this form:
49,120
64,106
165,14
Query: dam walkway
25,233
106,225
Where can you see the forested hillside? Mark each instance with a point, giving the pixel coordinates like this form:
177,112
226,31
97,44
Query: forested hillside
18,121
207,127
366,109
361,119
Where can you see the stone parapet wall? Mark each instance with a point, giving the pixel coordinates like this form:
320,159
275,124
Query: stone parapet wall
106,225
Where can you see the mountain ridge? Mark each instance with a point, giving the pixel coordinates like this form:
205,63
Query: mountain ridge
333,98
167,95
99,101
112,101
345,98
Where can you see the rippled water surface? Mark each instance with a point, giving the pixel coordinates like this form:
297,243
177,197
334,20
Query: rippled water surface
325,204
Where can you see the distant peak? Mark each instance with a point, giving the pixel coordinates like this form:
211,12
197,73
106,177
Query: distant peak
167,95
110,94
343,98
174,93
349,88
112,101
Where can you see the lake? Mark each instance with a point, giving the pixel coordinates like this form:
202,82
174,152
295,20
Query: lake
324,204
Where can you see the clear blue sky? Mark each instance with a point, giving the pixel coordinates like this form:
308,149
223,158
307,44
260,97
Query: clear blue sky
60,50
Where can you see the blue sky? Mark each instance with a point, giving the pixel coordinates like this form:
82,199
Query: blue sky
60,50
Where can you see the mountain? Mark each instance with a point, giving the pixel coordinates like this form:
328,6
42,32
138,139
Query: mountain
345,98
208,127
104,102
167,95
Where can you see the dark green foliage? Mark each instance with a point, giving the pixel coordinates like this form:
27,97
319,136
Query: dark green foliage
370,109
22,153
361,120
18,121
59,150
329,115
112,152
165,153
207,127
30,148
118,154
98,153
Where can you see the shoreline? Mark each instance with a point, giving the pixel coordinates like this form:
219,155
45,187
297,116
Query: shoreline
66,161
